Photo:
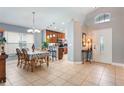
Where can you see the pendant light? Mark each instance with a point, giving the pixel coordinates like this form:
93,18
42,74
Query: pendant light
33,29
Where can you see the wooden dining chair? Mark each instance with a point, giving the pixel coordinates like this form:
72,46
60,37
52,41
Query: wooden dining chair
20,57
29,61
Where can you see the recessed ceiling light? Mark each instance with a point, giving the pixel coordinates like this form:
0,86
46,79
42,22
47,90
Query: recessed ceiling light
55,27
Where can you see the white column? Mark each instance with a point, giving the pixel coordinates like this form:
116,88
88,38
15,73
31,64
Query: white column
74,41
70,40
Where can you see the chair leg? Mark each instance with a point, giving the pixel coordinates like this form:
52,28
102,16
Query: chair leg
32,65
28,65
18,63
24,65
41,61
21,62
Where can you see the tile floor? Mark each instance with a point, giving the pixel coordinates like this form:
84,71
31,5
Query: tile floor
62,73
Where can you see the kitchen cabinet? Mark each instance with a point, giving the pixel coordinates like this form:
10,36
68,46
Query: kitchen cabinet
53,36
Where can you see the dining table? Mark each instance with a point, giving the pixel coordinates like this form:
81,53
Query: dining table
38,54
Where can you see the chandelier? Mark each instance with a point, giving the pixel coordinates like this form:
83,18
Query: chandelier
33,29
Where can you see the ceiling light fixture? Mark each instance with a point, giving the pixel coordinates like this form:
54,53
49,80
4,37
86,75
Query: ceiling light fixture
33,30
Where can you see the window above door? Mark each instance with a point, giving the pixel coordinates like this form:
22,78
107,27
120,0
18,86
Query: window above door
102,18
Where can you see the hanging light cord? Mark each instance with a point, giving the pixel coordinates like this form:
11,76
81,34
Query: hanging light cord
33,20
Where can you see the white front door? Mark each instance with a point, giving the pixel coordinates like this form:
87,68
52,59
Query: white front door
102,45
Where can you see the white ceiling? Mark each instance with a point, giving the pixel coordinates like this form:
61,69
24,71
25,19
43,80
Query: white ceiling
44,16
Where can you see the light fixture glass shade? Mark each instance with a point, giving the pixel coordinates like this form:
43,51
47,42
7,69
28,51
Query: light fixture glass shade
30,30
36,30
33,31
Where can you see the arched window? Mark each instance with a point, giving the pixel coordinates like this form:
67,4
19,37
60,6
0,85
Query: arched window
102,18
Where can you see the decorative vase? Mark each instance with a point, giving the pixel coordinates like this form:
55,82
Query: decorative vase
2,50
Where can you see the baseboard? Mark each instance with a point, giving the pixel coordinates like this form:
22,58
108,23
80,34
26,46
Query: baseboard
78,62
75,62
118,64
102,62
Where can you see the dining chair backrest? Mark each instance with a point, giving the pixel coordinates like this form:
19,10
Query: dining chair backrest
26,57
18,53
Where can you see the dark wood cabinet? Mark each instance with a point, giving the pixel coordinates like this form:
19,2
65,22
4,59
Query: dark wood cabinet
53,36
2,68
65,50
60,53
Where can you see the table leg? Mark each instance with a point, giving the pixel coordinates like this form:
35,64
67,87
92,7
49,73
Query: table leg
47,60
32,65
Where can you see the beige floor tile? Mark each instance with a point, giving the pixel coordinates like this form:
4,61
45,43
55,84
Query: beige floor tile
68,84
21,83
120,77
107,83
57,73
89,83
65,76
50,84
40,82
92,79
70,72
108,78
7,83
51,77
32,78
76,80
119,74
15,79
58,82
43,75
119,83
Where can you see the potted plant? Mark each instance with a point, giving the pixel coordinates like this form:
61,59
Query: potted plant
45,45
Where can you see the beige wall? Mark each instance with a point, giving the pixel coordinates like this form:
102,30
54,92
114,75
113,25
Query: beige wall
117,25
89,21
118,35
